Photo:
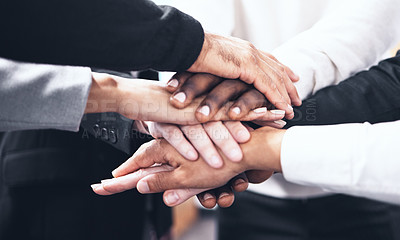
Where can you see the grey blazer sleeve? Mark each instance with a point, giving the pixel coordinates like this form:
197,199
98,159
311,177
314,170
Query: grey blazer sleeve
34,96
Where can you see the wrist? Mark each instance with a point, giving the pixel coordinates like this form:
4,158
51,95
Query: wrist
102,92
196,66
263,151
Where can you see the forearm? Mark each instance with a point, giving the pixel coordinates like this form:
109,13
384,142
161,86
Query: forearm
368,96
119,35
340,45
356,159
42,96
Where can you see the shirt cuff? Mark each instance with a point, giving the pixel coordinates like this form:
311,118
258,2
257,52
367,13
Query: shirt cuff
318,155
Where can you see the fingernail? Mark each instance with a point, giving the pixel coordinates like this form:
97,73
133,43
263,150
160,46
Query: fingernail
235,155
280,123
171,198
290,107
106,180
224,194
236,110
205,110
95,186
191,155
173,83
215,161
180,97
261,110
239,181
278,112
143,187
114,172
207,196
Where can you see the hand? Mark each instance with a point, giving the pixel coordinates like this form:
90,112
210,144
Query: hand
234,58
178,173
188,86
146,100
202,137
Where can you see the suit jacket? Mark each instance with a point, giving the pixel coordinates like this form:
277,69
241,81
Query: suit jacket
45,178
369,96
37,96
109,34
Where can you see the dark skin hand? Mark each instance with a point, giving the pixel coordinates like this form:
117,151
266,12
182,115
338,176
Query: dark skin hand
185,87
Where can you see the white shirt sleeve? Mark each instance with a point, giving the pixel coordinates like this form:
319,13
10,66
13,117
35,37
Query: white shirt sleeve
355,159
346,41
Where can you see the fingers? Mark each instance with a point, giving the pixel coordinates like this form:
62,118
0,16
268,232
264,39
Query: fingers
239,183
275,124
223,139
225,196
262,114
291,74
199,138
276,89
160,182
207,199
288,80
175,197
258,176
247,102
192,87
174,135
127,182
177,80
238,131
147,155
221,94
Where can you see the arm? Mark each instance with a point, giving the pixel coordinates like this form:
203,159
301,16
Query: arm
371,96
120,35
37,96
368,96
340,44
355,159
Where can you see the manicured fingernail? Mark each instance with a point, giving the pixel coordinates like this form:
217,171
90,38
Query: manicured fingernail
224,194
239,181
280,123
96,185
235,155
290,107
205,110
215,161
236,110
171,198
261,110
173,83
278,112
207,196
106,180
143,187
191,155
114,173
180,97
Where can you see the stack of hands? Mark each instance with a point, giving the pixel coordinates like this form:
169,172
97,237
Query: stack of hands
202,145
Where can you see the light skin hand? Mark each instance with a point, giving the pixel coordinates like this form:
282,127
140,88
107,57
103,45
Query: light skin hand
146,100
196,175
202,137
233,58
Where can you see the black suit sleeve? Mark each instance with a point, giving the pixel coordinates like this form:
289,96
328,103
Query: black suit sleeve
370,96
113,129
110,34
